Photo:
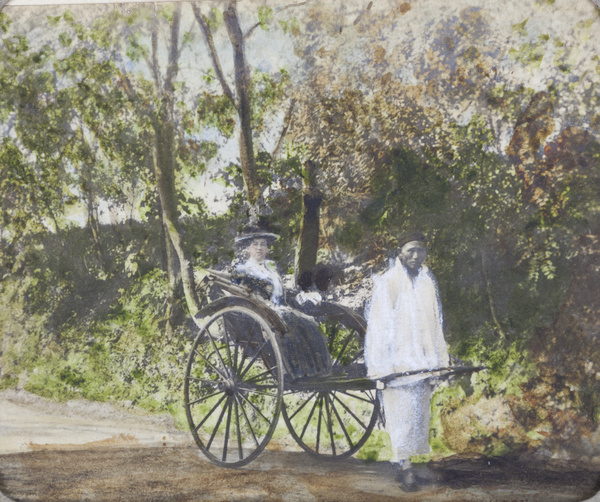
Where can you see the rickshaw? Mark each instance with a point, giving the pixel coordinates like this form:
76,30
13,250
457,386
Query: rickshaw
237,382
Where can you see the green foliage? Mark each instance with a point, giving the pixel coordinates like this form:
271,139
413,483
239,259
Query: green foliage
265,16
210,240
16,45
565,55
71,377
217,111
5,22
507,101
80,31
350,235
23,207
337,338
291,26
54,20
8,382
209,75
509,366
85,337
520,28
138,304
530,54
583,29
268,91
263,166
167,12
215,20
440,400
136,50
192,157
105,30
377,448
188,37
405,185
64,39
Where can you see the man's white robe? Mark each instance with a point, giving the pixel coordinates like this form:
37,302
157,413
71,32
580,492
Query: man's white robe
404,333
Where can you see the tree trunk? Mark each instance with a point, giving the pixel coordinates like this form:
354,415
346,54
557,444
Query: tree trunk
488,285
242,83
165,179
88,188
174,290
308,242
164,169
94,227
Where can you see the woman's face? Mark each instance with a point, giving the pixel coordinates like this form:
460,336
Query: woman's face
259,249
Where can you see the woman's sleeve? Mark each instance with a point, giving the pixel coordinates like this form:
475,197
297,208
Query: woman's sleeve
261,286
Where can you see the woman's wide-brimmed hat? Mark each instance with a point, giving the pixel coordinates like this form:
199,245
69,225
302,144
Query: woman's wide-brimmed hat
254,232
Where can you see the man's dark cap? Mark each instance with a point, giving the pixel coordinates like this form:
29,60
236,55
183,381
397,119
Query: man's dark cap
411,237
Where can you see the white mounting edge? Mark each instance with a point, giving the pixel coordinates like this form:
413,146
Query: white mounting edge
22,3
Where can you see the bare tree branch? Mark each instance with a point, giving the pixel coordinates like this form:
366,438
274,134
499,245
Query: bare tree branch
242,86
124,83
360,16
291,6
488,285
251,30
181,46
153,63
213,53
173,65
287,120
279,9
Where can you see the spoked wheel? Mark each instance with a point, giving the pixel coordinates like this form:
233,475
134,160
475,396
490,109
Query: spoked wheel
234,386
333,418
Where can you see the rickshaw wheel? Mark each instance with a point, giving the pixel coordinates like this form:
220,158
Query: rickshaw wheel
333,420
233,386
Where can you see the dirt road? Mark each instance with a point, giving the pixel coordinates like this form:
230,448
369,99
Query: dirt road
98,452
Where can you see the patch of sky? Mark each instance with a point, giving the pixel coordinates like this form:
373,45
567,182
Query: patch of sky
207,186
272,49
264,66
272,132
406,75
208,134
465,117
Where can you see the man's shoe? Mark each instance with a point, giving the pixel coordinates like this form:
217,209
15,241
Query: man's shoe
408,480
425,476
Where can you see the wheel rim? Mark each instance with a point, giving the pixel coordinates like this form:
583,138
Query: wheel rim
335,423
331,424
233,387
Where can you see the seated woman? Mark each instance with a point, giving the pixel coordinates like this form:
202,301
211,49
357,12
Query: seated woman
304,346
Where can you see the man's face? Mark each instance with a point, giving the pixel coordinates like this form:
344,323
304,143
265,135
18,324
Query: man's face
413,254
259,249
